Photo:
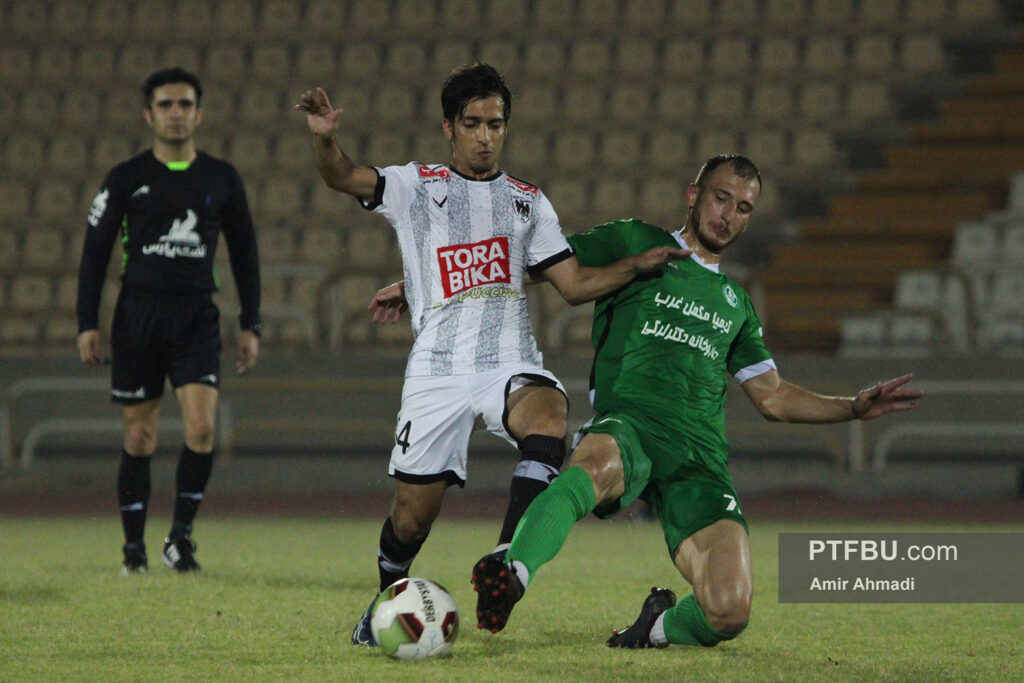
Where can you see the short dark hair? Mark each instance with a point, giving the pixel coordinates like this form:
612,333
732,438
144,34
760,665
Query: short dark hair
471,82
174,74
741,165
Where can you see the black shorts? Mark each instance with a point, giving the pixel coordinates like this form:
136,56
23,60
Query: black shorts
162,334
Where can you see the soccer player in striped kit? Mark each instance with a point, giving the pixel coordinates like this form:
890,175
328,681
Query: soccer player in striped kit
469,234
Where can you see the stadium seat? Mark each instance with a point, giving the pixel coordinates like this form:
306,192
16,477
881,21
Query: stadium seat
135,62
60,332
67,17
714,142
271,63
122,109
280,19
925,14
825,55
109,19
504,55
56,200
819,101
812,149
682,57
614,197
866,100
544,58
282,198
630,103
316,64
778,56
584,103
150,20
676,103
14,200
387,149
921,53
772,102
537,104
590,58
10,248
643,14
194,18
872,54
787,15
53,65
30,293
234,18
738,13
525,150
621,150
250,153
15,65
571,200
323,19
371,246
262,107
690,12
361,60
370,16
662,201
23,156
635,57
456,13
20,332
321,245
110,150
292,153
602,15
94,63
276,244
831,14
966,14
573,150
669,150
39,109
874,14
446,57
396,103
226,64
406,62
1007,293
412,17
273,289
724,102
731,56
550,14
80,109
768,148
66,295
1002,336
67,157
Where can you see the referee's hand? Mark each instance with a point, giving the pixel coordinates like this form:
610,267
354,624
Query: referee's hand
89,347
248,351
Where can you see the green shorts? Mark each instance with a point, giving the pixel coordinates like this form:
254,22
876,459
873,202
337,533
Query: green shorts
683,491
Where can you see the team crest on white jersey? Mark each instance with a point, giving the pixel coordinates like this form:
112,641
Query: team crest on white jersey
181,239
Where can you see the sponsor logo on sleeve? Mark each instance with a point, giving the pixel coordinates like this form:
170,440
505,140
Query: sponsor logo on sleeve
99,207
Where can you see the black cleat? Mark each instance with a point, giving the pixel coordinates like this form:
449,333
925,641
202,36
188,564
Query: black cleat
178,554
639,634
498,590
135,561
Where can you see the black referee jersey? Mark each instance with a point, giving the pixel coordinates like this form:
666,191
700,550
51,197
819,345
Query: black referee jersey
170,221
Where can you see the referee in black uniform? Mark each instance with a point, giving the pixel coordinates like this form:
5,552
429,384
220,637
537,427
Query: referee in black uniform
169,204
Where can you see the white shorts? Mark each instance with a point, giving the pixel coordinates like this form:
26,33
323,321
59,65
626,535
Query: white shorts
438,414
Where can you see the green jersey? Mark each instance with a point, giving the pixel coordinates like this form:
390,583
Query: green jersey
664,343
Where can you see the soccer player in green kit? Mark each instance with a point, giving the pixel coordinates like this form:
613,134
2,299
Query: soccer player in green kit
663,345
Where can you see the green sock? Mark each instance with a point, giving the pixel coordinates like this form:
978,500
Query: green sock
547,522
685,624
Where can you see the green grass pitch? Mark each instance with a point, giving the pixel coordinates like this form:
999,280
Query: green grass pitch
277,598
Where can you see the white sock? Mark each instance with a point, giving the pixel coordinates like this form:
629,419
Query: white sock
522,573
658,631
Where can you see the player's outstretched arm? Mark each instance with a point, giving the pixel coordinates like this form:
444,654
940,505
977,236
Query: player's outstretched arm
333,164
579,284
779,400
389,303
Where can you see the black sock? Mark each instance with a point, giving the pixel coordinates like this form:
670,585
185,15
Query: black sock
193,474
394,557
133,488
539,465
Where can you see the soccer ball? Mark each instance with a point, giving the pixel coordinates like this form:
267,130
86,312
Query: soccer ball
415,619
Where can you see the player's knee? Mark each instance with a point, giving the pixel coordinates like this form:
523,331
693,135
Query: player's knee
410,528
729,614
139,439
199,434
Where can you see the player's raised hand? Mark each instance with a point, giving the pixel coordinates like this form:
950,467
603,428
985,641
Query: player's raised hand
656,258
885,396
321,117
389,303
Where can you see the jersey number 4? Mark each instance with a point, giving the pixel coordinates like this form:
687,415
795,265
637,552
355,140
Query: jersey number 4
402,437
